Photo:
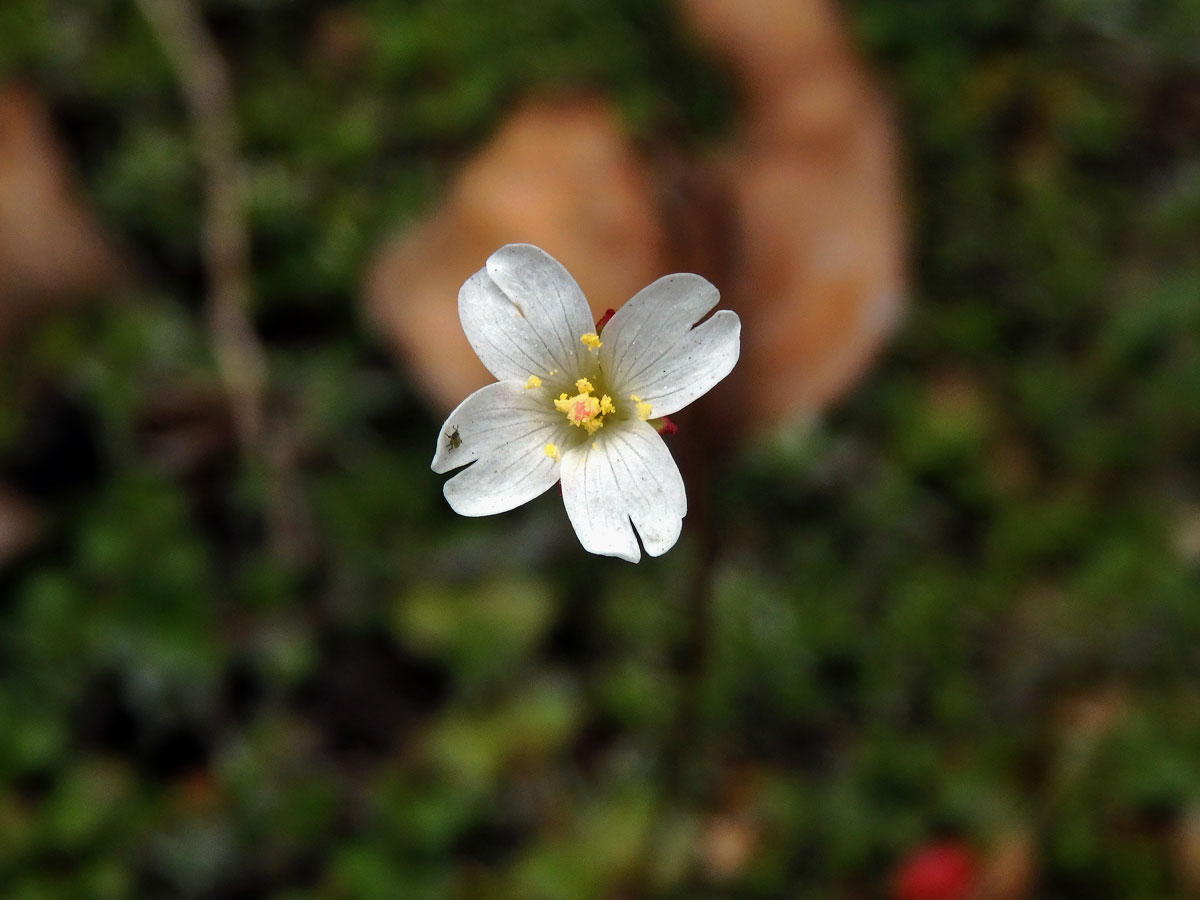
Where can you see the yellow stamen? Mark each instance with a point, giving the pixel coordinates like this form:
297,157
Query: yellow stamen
533,382
591,340
585,410
551,451
643,408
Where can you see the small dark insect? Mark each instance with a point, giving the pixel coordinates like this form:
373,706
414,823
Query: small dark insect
453,440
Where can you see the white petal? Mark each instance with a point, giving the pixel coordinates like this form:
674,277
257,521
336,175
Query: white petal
506,429
651,349
523,314
629,474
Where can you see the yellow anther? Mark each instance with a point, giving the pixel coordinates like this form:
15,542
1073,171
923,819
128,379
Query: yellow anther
584,386
643,408
533,382
591,340
606,405
551,451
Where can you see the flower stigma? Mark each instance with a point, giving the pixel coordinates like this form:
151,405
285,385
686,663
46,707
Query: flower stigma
585,410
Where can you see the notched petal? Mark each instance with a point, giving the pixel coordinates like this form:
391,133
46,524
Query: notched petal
653,347
501,430
498,332
523,313
690,368
626,481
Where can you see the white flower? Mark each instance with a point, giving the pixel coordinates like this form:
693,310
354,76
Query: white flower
572,405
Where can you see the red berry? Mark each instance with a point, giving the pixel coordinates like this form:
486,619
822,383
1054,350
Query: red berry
945,870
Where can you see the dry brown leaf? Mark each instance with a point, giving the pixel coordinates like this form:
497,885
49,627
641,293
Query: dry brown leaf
799,224
559,174
818,264
51,248
772,44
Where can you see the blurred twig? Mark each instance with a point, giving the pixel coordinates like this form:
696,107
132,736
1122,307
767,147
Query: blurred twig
241,361
206,87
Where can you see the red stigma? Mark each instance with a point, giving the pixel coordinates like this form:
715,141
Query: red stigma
608,314
667,427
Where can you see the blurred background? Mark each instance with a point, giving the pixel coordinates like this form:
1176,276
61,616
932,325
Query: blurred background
932,628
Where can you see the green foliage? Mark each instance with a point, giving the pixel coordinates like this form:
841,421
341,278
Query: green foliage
966,603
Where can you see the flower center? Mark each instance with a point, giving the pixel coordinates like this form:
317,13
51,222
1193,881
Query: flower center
585,410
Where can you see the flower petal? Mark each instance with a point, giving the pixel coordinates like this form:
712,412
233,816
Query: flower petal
523,314
651,349
628,473
503,429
